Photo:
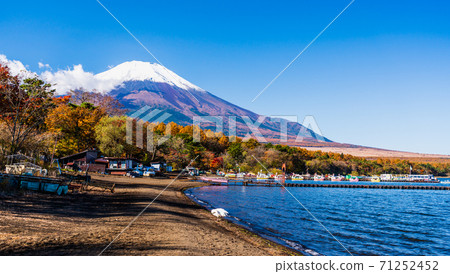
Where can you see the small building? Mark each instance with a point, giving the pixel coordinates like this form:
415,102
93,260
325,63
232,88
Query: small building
79,160
160,166
100,165
85,160
192,171
121,165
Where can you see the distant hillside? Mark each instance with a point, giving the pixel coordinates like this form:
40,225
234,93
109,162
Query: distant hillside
376,153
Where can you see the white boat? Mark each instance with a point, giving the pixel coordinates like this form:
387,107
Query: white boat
280,178
230,175
319,178
336,178
375,179
297,177
262,176
241,175
214,179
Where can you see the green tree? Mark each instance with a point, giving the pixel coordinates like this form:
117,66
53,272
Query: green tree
110,135
236,152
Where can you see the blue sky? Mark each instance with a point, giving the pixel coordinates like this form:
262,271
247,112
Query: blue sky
379,76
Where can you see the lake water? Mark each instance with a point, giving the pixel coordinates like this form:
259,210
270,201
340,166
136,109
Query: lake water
366,221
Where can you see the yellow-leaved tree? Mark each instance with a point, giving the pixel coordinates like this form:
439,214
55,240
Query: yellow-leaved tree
74,126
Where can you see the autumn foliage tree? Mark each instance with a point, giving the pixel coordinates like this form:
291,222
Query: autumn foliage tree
24,105
110,134
216,163
74,126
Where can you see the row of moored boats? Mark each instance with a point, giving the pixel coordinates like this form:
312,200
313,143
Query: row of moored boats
292,177
334,178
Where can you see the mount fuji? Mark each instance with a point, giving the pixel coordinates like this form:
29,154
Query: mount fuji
137,84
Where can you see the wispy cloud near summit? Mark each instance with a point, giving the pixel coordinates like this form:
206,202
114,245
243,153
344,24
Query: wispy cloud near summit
76,78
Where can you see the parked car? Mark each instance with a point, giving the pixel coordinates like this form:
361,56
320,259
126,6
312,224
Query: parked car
135,173
149,172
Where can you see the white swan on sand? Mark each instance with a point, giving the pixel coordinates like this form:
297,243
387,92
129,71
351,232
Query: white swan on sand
219,212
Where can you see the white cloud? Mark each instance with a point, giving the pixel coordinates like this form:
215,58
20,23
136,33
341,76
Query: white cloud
77,78
16,68
62,80
42,65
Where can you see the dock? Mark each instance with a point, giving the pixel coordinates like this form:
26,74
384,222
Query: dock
432,186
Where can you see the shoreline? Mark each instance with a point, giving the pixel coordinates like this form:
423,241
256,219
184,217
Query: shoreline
85,223
246,230
301,251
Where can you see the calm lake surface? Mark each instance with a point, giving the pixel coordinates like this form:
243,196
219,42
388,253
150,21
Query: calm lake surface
365,221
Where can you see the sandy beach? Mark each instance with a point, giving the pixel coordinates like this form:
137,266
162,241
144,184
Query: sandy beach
85,223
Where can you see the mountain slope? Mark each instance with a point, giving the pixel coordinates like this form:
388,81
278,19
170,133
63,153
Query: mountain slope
139,84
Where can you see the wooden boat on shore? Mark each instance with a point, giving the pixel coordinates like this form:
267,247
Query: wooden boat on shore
51,187
59,186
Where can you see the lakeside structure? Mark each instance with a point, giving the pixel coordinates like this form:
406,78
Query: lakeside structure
412,178
89,160
121,165
272,183
81,160
408,178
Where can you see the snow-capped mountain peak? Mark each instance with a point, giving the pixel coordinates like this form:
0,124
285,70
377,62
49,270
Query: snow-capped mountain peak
136,84
141,71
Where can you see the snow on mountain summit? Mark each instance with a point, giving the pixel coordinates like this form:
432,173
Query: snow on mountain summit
141,71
